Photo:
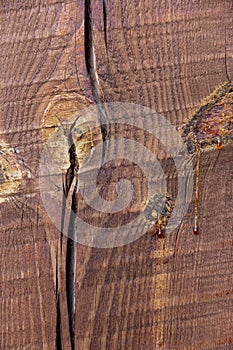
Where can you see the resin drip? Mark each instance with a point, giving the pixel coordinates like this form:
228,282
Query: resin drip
196,228
210,127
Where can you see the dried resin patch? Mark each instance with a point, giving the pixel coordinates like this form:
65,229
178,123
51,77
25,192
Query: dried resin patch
212,124
10,174
157,213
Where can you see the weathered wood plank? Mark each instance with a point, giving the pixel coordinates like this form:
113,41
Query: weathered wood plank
150,294
42,58
167,56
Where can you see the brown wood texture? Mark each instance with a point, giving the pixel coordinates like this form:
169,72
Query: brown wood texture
151,294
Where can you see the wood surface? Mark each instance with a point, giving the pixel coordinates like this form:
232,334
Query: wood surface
151,294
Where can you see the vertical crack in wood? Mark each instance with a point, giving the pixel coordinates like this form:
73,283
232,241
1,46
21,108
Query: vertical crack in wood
90,60
58,308
105,23
71,185
225,58
75,50
90,51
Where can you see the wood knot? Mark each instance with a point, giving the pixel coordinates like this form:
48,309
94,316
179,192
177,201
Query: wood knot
63,121
10,173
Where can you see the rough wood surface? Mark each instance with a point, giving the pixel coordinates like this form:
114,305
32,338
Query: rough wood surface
150,294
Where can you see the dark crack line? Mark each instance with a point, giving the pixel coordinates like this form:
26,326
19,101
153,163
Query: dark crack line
69,207
75,48
58,311
225,57
93,76
71,186
70,283
89,50
70,183
105,24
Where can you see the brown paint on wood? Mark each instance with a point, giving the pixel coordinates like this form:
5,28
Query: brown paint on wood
152,294
42,56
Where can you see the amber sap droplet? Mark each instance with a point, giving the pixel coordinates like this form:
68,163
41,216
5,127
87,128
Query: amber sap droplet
219,145
161,233
196,229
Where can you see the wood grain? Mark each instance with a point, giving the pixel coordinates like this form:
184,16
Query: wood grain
167,56
42,56
150,294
